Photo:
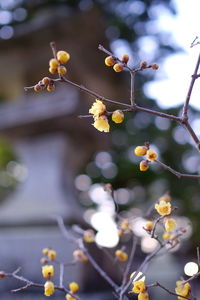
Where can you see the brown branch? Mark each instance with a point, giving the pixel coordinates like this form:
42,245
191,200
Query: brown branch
192,134
176,173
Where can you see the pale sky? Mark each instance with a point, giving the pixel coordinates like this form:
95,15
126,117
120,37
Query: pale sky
184,26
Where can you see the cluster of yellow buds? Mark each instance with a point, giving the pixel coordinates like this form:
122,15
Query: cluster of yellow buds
48,272
121,255
139,287
111,61
47,83
55,64
50,253
79,255
73,287
183,289
124,227
150,154
98,110
89,236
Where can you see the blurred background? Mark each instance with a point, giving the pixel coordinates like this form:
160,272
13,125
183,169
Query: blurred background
54,163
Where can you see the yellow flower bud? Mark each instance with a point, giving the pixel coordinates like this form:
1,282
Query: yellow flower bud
138,287
45,251
48,288
110,61
163,208
167,236
53,70
45,80
144,165
62,70
53,63
121,255
51,87
151,155
63,56
89,236
79,255
170,224
125,226
52,254
143,64
149,225
48,271
118,67
37,88
125,58
155,66
118,116
74,287
140,150
69,297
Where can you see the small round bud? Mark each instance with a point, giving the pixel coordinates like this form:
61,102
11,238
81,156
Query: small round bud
53,63
110,61
151,155
118,67
121,255
53,70
79,255
43,260
144,165
45,80
155,66
37,88
69,297
63,56
149,225
143,64
45,251
49,288
89,236
52,254
74,287
118,116
2,274
125,58
62,70
51,87
140,150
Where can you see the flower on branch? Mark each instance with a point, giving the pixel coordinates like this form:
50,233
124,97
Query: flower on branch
74,287
140,150
101,124
170,224
143,296
151,155
98,108
48,271
118,116
69,297
183,289
48,288
89,236
138,287
121,255
163,208
79,255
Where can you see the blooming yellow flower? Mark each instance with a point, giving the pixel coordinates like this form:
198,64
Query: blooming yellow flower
143,296
163,208
121,255
48,288
140,150
48,271
98,108
182,289
151,155
101,124
138,287
74,287
170,224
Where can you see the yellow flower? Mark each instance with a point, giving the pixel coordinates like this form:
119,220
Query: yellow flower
118,116
125,226
48,271
48,288
63,56
101,124
79,255
138,287
69,297
98,108
170,224
74,287
144,165
121,255
143,296
149,225
163,208
151,155
167,236
140,150
110,61
45,251
89,236
183,289
52,254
